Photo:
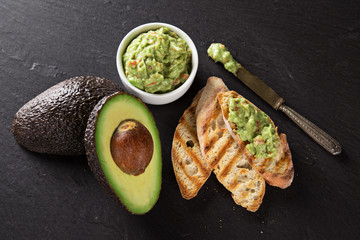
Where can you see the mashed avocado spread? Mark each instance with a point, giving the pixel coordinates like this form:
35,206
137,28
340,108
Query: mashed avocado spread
157,61
253,126
220,53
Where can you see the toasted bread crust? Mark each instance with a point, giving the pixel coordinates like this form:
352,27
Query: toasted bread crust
191,170
277,171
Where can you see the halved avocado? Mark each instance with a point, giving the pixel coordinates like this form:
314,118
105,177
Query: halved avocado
137,193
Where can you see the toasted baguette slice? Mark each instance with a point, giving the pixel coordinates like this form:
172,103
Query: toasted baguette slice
236,174
204,114
277,171
191,170
222,152
232,167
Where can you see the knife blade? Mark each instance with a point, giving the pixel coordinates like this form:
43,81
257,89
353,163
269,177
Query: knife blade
277,102
259,87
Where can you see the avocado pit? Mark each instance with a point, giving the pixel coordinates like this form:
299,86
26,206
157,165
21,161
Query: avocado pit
131,147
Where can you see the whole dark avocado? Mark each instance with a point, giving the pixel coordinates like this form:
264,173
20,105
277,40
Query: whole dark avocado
54,122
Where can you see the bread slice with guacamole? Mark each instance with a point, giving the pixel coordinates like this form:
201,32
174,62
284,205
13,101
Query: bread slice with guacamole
190,168
222,153
258,138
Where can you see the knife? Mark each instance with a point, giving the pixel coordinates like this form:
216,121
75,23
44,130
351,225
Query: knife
277,102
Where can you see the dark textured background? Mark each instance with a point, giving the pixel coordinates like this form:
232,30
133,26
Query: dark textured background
308,51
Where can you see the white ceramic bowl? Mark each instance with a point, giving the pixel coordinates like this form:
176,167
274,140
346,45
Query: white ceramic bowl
152,98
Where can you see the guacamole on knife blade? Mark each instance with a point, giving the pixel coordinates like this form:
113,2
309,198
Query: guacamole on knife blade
157,61
219,53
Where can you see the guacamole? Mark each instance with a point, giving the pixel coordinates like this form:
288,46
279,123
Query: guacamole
157,61
220,53
254,127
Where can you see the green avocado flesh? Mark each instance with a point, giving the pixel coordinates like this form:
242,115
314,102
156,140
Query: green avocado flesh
138,193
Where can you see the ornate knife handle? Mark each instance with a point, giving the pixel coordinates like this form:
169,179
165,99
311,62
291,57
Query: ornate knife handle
321,137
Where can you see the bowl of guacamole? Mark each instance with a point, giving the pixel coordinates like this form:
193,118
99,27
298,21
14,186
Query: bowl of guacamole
157,62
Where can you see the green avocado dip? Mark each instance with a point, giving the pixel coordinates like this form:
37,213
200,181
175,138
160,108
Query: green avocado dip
254,127
219,53
157,61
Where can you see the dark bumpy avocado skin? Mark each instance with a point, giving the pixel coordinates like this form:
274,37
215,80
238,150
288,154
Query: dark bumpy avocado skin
89,140
54,122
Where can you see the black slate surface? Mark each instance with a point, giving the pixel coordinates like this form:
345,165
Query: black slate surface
308,51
